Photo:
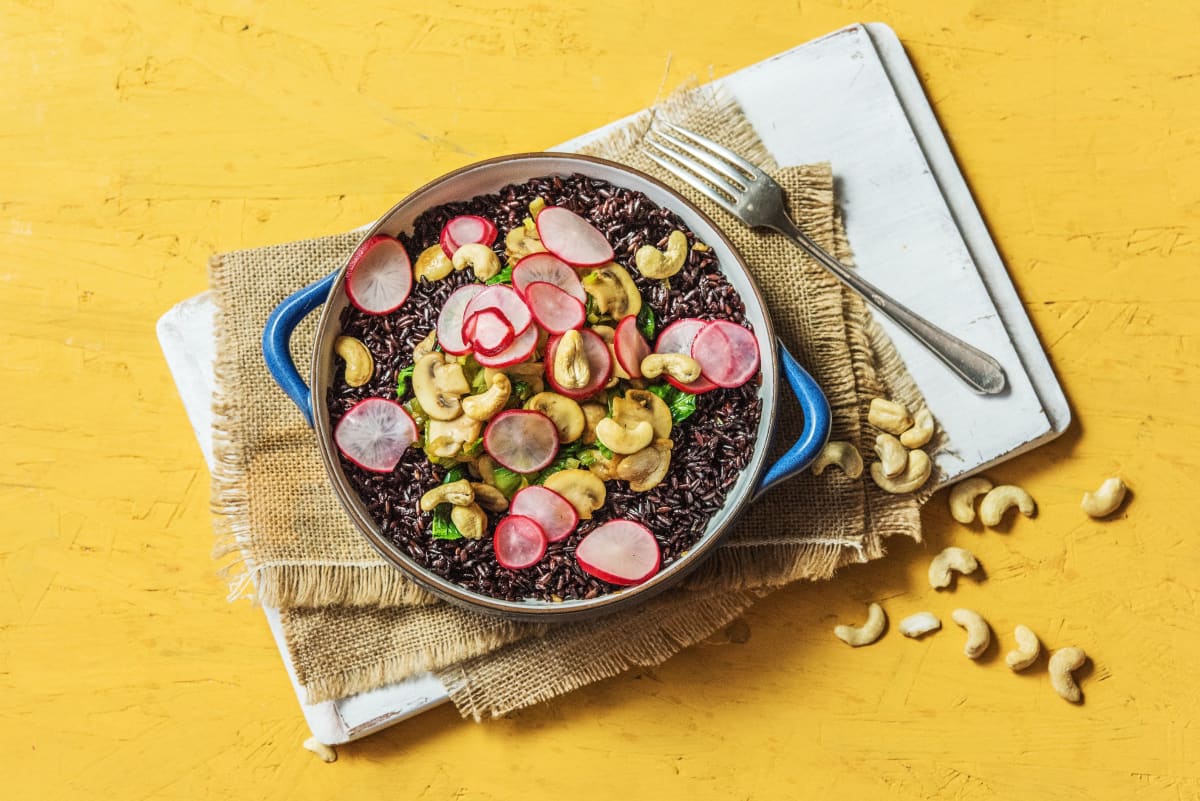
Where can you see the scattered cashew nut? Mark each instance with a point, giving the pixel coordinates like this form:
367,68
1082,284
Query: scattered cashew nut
571,367
963,495
1000,499
619,439
360,365
893,457
1027,650
486,405
945,564
677,365
458,493
890,416
481,258
325,752
655,263
843,454
868,632
921,431
916,473
1063,663
919,624
978,632
1105,500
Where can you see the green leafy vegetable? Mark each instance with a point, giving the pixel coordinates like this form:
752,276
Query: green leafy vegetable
604,451
682,404
522,391
646,322
402,380
475,374
443,527
587,458
508,482
502,277
472,449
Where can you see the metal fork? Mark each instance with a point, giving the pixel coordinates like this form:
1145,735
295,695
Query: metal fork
749,194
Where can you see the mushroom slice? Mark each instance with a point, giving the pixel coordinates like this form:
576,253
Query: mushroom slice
640,404
593,413
585,491
613,289
646,469
563,412
439,385
446,438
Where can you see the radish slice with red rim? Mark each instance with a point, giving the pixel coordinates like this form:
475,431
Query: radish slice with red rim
630,347
572,238
554,309
551,269
599,361
523,441
505,300
619,552
727,353
678,338
374,433
487,332
519,542
521,349
554,513
466,229
379,276
451,319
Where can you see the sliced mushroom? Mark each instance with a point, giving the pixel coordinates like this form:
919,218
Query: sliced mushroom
439,386
488,404
604,467
571,368
433,264
585,491
563,412
446,438
458,493
489,497
646,469
640,404
614,291
425,346
619,439
593,413
470,520
520,242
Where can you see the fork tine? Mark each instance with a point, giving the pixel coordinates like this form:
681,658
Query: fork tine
698,185
708,158
699,169
720,150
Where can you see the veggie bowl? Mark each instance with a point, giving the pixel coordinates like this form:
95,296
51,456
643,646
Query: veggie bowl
544,386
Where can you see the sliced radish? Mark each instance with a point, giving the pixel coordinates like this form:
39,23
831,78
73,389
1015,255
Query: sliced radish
727,352
487,332
551,269
554,309
521,349
572,238
554,513
507,302
599,361
630,347
451,319
374,434
678,338
620,552
379,276
466,229
521,440
519,542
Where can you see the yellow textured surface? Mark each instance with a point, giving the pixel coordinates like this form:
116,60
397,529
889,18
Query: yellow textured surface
138,138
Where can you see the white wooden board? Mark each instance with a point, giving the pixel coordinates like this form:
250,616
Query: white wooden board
850,98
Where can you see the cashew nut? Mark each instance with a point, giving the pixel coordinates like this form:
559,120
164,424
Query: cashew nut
426,346
1000,499
563,412
893,457
868,632
978,632
520,242
613,289
655,263
489,497
843,454
479,257
360,365
470,520
571,368
487,405
1063,663
458,493
585,491
1027,650
646,469
438,386
951,560
619,439
916,473
921,432
432,264
325,752
963,495
890,416
1100,503
677,365
919,624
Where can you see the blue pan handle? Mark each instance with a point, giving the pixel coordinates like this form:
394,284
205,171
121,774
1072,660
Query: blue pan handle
817,422
277,336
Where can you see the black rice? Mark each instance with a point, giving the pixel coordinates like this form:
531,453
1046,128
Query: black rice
710,448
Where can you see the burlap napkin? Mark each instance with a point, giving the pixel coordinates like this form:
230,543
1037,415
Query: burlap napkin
277,515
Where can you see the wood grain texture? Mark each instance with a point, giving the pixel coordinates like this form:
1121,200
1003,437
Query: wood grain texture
139,137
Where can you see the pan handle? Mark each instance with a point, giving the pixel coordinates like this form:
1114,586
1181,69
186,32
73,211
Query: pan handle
817,422
276,341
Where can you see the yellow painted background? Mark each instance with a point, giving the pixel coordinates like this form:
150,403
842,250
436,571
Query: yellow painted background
137,138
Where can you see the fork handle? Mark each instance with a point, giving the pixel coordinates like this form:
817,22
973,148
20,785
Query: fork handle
983,373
